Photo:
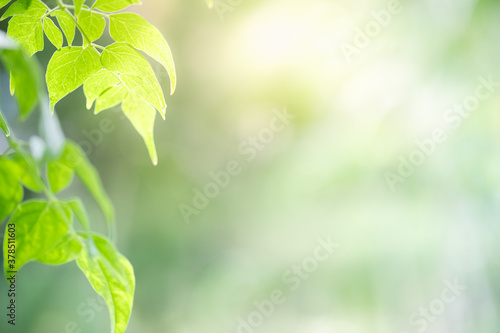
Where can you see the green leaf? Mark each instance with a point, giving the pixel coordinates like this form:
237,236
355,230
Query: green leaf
92,24
136,73
80,213
12,85
112,276
114,5
67,24
76,159
97,84
3,3
27,171
136,31
53,33
142,116
111,97
68,68
60,172
33,8
3,126
25,75
67,249
78,6
28,32
11,192
39,226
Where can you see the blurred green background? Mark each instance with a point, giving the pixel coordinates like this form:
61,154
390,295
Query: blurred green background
323,176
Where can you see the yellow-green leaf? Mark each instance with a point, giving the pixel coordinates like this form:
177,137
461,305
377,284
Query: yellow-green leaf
136,31
27,171
78,209
68,248
92,24
112,276
142,116
3,126
33,8
60,172
27,31
39,226
78,6
11,192
114,5
97,84
68,68
135,72
67,24
53,33
111,97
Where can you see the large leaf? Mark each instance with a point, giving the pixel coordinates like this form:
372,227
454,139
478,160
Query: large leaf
3,125
75,159
114,5
97,84
136,31
11,192
68,68
39,227
112,276
33,8
142,116
136,73
53,33
67,23
27,31
92,24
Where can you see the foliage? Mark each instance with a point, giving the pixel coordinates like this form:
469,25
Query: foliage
111,75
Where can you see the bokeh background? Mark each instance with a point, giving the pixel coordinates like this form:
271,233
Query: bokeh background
323,175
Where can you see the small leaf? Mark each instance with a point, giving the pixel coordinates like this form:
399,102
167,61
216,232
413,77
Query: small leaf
27,31
27,74
60,172
80,213
92,24
67,249
39,226
112,276
67,24
33,8
136,31
111,97
53,33
78,6
77,160
114,5
135,69
142,116
11,192
3,126
96,84
68,68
